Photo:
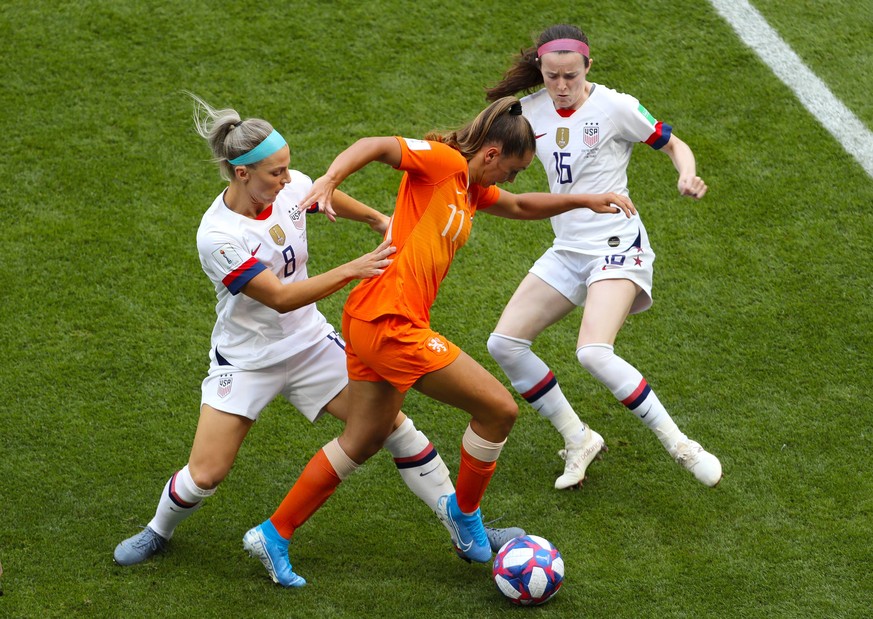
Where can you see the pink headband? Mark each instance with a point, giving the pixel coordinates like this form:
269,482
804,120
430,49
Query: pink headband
563,45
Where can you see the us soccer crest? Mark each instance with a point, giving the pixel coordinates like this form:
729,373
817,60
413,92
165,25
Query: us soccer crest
278,234
297,218
591,135
562,137
225,384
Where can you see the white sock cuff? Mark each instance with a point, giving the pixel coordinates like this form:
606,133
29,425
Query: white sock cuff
403,439
517,340
339,460
479,448
608,347
187,490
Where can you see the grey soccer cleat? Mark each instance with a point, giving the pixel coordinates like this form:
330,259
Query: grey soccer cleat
140,547
499,537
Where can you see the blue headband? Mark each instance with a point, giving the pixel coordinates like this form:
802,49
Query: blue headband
270,145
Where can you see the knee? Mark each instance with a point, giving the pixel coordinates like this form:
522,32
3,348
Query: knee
594,356
206,478
506,413
506,349
361,446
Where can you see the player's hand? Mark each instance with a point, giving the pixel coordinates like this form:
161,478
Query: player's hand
611,203
373,263
320,194
692,186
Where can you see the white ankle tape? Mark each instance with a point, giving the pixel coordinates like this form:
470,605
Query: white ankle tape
339,460
479,448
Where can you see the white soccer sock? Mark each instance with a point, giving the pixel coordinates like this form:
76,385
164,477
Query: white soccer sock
181,498
631,389
419,464
536,383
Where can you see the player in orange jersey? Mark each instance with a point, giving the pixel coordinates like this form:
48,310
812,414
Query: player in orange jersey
390,346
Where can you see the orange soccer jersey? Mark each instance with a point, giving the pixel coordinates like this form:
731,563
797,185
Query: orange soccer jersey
432,219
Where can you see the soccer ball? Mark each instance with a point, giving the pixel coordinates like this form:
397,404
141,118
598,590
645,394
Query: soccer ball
528,570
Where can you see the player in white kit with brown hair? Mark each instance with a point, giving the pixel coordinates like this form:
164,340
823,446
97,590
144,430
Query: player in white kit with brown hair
585,134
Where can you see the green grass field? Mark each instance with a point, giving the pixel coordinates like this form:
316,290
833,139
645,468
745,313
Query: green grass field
758,343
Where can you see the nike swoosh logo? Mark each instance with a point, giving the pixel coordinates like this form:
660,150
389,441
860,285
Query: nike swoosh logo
429,472
464,547
255,250
539,136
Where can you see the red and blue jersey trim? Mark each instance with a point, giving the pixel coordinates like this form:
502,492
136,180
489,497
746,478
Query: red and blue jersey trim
242,275
661,136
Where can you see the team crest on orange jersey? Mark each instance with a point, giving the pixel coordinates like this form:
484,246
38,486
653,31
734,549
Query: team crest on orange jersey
437,345
562,137
278,234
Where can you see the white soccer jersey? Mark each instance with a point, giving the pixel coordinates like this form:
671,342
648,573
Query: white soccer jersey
588,152
234,249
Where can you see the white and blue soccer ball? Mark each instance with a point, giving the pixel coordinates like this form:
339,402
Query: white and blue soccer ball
528,570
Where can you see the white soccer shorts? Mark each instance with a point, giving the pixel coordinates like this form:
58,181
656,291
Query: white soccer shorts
308,380
572,272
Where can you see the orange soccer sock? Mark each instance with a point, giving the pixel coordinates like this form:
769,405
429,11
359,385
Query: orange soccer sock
314,486
473,478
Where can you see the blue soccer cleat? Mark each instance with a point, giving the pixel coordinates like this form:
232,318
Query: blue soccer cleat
468,532
265,543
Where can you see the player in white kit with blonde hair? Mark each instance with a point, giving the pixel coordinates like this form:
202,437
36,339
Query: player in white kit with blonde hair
269,338
585,134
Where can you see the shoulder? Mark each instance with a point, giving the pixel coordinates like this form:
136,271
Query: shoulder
536,101
483,197
426,156
428,147
218,225
609,96
215,215
298,187
298,177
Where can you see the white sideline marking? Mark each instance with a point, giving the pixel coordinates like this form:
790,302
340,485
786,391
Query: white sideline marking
815,96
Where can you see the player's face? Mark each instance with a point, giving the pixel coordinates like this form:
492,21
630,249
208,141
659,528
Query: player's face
269,176
504,169
564,78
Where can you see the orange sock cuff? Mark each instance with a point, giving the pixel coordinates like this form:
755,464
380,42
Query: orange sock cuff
474,476
316,483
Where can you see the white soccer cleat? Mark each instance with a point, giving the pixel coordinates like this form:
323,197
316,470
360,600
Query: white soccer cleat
577,458
702,464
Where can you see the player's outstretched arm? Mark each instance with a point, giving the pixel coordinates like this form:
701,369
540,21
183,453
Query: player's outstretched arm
544,205
352,159
347,207
266,288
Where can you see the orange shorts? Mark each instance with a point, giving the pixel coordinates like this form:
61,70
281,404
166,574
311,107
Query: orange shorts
394,350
